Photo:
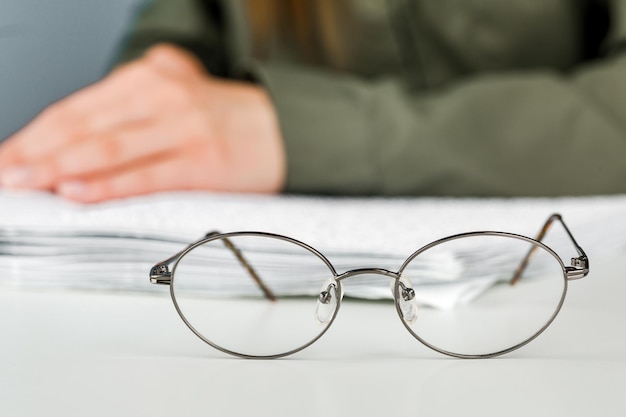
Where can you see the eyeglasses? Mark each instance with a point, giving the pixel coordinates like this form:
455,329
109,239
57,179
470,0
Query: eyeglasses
263,295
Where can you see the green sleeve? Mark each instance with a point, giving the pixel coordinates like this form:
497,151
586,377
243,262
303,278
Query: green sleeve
527,133
537,133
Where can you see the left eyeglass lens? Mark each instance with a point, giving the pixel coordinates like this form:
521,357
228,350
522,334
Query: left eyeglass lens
217,295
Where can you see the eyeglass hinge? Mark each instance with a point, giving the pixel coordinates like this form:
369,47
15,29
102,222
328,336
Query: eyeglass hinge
579,268
161,274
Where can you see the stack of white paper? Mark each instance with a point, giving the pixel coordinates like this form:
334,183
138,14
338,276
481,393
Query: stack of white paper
49,242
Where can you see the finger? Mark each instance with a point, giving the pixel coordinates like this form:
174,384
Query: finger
45,133
116,100
157,174
174,60
114,151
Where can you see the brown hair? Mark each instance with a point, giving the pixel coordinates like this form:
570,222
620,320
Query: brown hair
312,27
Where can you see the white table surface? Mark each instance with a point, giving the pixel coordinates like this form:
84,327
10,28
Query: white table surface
67,353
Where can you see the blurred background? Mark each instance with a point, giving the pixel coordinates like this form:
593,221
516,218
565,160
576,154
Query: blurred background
50,48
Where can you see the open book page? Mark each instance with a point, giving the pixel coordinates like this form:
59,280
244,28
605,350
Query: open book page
50,242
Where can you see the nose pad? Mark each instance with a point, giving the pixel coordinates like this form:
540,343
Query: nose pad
406,299
327,301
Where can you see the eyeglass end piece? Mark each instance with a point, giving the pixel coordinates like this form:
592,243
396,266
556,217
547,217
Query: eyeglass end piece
580,262
161,275
579,268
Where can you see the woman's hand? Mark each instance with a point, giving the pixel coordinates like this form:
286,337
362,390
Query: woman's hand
159,123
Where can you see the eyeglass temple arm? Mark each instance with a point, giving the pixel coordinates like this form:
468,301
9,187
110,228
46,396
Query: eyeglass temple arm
579,266
160,273
248,267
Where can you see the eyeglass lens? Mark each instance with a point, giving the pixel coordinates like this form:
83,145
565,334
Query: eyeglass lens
224,305
498,313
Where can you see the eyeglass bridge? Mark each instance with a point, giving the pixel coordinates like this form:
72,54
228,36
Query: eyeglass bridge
407,293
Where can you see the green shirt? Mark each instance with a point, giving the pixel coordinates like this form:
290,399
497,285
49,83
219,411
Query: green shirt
432,97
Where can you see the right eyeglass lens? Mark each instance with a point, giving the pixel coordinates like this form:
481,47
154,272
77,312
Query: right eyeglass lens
495,315
218,297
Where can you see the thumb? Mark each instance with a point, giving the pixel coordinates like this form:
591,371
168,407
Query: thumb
174,60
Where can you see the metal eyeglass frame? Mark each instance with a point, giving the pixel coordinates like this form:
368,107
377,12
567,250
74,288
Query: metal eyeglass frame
163,273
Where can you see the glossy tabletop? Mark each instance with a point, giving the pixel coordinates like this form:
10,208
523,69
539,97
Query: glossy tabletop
69,353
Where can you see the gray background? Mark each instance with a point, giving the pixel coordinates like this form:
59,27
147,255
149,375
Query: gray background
49,48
